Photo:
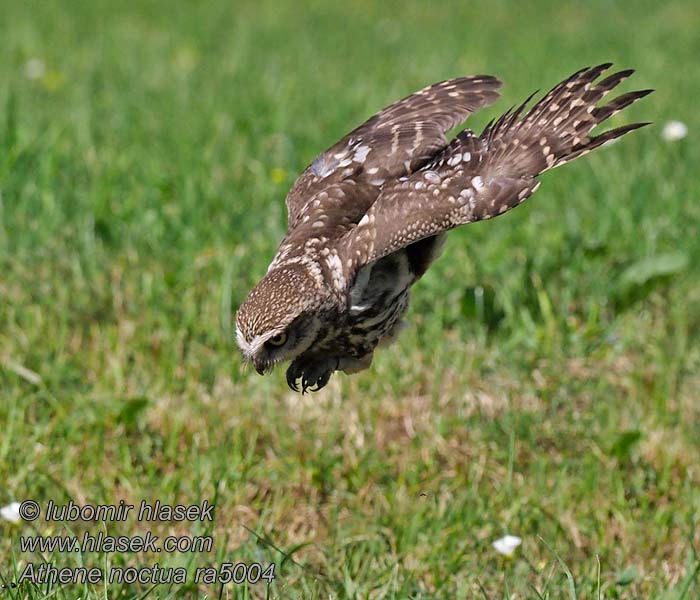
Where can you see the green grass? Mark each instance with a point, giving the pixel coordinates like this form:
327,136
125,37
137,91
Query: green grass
142,178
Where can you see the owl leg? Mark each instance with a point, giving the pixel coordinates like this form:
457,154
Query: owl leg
350,365
313,372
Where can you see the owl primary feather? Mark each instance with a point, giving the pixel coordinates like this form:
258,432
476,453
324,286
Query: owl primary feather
369,215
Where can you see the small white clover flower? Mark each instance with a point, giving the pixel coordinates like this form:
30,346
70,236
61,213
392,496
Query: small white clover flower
34,68
674,131
11,512
507,544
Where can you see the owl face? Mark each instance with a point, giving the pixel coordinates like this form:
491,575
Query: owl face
277,344
278,320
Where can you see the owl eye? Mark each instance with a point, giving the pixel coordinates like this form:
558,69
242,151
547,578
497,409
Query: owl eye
278,340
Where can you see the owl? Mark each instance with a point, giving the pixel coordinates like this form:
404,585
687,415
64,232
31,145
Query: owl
369,215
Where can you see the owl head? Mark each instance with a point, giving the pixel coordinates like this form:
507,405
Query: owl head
278,320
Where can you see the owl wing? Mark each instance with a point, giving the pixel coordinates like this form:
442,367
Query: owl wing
396,141
480,177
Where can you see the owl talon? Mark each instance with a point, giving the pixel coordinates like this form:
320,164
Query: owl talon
313,376
292,379
311,384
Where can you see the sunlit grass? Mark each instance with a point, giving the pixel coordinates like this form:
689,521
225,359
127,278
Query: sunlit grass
547,387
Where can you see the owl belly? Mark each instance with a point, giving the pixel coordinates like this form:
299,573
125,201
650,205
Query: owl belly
378,326
378,302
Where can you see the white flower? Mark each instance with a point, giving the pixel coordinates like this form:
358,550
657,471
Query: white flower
11,512
674,131
34,68
507,544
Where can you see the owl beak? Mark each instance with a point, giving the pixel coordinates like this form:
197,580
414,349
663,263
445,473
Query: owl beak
260,367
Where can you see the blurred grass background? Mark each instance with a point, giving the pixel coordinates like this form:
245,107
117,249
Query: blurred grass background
548,386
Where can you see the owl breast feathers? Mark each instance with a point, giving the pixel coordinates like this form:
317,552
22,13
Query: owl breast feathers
369,215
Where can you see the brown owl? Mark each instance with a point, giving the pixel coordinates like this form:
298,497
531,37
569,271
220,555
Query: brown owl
369,215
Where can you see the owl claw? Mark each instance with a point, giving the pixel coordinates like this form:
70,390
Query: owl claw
313,375
292,379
